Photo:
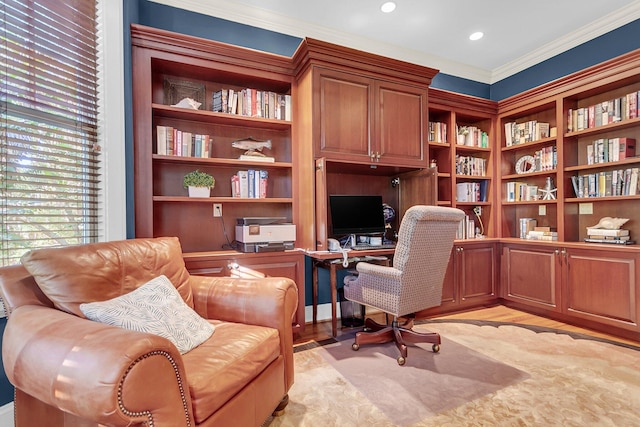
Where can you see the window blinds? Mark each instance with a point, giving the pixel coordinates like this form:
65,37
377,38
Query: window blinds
49,152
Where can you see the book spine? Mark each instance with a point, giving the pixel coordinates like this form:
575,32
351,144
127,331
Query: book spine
264,178
161,140
244,183
235,186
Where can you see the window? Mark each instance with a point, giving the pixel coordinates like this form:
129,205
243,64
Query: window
50,168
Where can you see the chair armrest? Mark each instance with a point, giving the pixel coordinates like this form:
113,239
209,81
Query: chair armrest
379,270
98,372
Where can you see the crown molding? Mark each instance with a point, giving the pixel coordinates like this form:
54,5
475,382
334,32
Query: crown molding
267,20
607,23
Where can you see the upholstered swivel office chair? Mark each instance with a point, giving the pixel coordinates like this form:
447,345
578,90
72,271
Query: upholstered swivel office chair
413,283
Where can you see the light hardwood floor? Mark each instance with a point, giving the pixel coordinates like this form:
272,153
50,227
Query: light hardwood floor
498,313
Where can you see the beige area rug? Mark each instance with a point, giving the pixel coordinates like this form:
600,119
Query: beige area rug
484,375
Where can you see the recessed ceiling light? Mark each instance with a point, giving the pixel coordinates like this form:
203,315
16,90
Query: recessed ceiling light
476,36
388,7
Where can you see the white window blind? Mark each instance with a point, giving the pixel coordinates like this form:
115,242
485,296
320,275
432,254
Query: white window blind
49,152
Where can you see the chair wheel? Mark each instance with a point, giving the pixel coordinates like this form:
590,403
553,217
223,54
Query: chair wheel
355,347
436,348
401,360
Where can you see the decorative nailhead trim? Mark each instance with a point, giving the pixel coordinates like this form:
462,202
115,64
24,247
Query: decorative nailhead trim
148,414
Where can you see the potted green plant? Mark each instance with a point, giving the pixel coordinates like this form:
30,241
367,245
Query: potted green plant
199,183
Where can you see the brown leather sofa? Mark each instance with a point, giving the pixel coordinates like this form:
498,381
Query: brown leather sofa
71,371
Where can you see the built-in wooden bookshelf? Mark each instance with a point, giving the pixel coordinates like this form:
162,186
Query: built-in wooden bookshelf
528,164
169,68
463,153
591,284
571,141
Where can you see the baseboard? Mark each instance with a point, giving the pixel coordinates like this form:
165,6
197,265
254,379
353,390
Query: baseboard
6,415
324,312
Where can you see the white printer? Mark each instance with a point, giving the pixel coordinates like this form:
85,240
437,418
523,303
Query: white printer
264,234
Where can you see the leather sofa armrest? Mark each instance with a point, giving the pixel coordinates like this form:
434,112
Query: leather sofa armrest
98,372
270,301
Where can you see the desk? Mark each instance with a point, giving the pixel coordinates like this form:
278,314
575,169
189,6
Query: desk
332,261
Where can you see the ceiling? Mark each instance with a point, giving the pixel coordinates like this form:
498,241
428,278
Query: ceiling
434,33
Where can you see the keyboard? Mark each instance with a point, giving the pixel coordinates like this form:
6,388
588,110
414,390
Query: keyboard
366,246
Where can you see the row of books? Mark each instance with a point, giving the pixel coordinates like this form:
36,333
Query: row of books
610,150
519,191
546,159
603,113
250,184
519,133
174,142
472,191
253,103
437,132
469,136
615,237
466,229
617,182
470,165
472,136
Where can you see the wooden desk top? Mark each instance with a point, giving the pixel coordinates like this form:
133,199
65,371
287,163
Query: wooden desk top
326,255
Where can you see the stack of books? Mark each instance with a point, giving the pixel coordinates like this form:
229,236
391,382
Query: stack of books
542,233
615,237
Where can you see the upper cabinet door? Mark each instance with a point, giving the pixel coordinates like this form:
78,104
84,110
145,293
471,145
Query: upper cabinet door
416,188
401,125
343,107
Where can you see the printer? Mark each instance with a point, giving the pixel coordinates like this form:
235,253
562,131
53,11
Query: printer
264,234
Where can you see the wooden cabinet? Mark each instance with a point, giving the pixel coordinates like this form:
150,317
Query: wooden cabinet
274,264
531,275
170,67
366,120
399,190
577,283
365,116
475,272
471,278
461,141
602,287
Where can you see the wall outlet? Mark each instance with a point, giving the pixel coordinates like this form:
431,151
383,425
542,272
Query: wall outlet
542,210
217,209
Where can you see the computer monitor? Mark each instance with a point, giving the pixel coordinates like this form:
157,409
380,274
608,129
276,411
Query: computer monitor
356,214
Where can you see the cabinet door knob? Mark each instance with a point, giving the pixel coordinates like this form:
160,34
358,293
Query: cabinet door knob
378,156
373,157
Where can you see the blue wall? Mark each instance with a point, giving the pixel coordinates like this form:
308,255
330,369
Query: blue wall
609,45
6,389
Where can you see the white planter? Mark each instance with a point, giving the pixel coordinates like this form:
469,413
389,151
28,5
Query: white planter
199,192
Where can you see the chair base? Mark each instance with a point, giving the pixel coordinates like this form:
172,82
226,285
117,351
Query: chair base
401,334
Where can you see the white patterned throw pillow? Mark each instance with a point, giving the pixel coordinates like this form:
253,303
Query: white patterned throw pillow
156,308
